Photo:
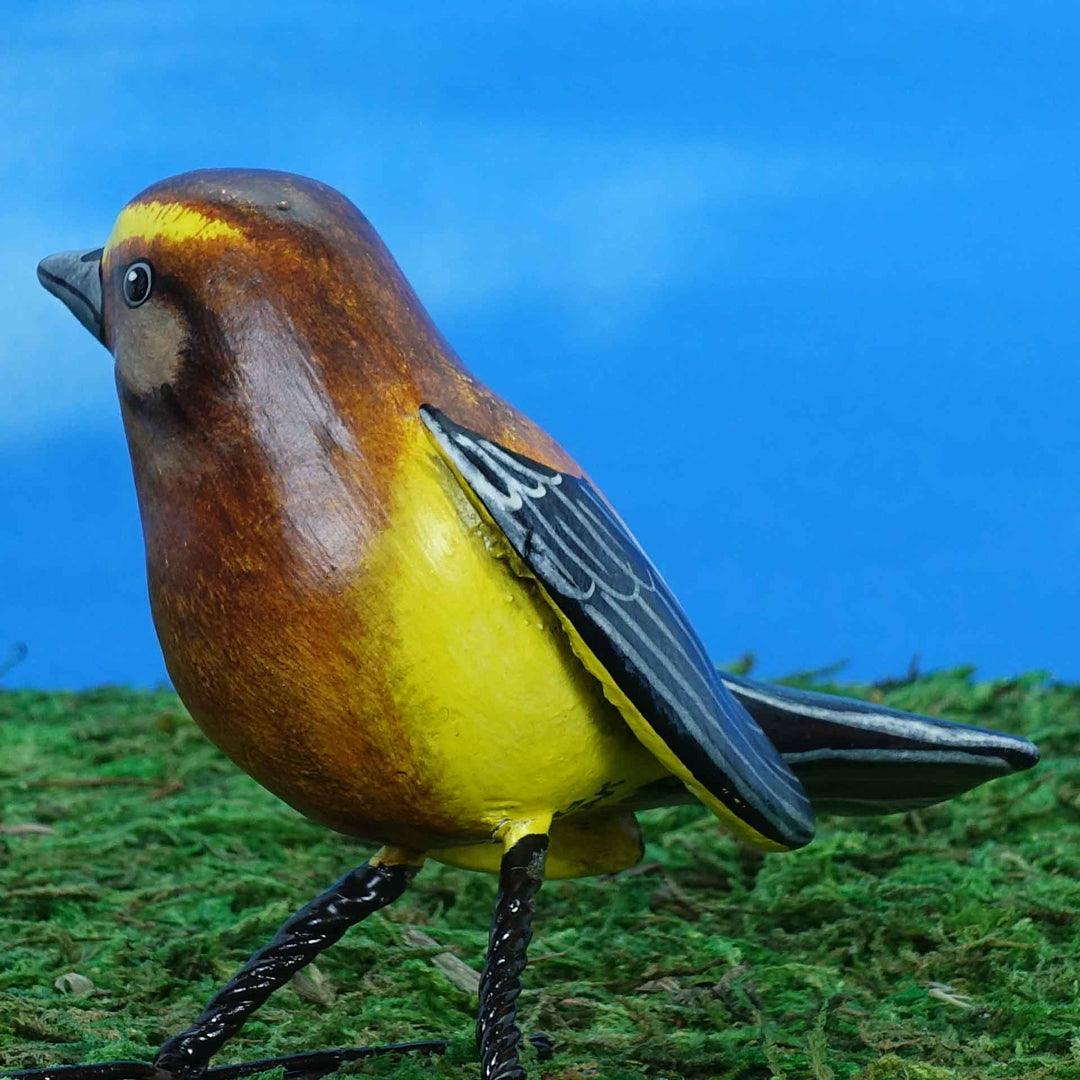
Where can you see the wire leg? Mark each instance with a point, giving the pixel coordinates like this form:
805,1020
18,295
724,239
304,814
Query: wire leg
497,1034
299,940
307,1065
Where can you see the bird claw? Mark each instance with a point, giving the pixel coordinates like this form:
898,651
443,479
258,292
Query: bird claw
178,1064
166,1070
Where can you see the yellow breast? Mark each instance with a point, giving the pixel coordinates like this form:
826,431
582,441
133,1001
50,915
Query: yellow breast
505,722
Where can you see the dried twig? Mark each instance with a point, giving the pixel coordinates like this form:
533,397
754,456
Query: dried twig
453,967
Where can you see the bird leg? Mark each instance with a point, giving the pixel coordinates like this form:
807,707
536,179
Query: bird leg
300,939
497,1035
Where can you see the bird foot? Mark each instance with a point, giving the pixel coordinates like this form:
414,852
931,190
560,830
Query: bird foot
312,1063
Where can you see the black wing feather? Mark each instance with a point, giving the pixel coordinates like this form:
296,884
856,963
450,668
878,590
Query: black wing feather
609,591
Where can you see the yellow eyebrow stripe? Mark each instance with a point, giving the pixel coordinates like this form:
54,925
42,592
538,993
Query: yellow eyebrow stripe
170,221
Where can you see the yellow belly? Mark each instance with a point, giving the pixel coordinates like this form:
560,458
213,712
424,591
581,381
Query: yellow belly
505,723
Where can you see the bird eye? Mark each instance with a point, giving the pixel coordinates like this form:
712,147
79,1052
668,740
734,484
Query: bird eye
137,282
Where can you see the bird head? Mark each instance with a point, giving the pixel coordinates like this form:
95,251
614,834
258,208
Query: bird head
218,283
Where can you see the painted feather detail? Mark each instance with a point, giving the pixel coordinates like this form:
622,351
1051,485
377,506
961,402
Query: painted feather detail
604,584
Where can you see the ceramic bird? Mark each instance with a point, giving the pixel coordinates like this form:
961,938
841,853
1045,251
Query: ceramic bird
401,606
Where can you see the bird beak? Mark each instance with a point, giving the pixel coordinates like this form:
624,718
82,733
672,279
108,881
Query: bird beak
75,278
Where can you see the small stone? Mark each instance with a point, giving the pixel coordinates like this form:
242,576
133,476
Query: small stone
75,984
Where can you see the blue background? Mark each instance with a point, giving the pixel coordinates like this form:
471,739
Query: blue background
796,283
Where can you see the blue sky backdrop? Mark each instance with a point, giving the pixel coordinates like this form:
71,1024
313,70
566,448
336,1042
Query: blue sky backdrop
795,282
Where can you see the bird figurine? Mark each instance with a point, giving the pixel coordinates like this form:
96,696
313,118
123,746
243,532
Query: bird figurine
401,606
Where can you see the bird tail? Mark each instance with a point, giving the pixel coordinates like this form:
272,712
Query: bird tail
854,757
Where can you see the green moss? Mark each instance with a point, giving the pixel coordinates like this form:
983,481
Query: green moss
940,946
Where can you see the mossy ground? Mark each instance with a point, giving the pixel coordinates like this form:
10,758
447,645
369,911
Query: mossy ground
937,946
